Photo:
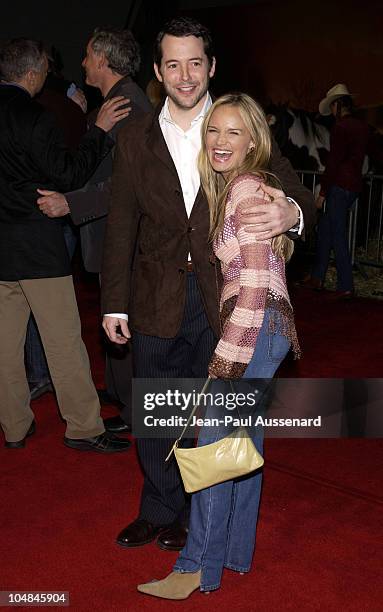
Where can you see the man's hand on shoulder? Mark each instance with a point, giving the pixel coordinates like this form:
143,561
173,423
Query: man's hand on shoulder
112,111
111,324
52,203
272,218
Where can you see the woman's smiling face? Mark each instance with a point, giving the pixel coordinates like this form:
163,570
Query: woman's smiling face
227,139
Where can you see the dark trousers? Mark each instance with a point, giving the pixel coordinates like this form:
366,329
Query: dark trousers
332,234
185,356
118,377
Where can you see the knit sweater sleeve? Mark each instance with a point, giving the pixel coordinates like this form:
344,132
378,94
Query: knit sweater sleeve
236,346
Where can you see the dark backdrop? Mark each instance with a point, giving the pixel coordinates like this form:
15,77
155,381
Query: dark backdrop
275,49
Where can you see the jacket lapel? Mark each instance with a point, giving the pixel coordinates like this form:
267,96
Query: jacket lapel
199,207
156,144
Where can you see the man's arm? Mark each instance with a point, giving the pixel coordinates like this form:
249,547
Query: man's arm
292,186
84,205
284,213
65,170
120,240
89,203
114,322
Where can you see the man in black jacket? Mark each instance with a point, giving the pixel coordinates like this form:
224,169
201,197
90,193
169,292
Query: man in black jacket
112,58
34,264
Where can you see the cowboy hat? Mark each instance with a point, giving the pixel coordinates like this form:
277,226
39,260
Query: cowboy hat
338,91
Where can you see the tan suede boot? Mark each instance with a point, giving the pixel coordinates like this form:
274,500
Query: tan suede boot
174,586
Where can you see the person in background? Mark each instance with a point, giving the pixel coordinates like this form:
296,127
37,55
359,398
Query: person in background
35,273
69,112
340,186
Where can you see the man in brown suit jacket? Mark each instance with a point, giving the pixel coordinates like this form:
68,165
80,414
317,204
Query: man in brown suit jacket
157,262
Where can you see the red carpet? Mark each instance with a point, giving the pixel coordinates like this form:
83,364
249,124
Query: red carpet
339,339
318,545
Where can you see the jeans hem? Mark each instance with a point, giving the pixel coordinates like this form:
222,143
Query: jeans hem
181,570
237,568
203,587
212,587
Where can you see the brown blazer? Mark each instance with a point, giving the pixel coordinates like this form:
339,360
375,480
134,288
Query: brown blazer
149,234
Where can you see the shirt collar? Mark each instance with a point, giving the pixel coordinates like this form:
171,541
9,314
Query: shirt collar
13,84
166,116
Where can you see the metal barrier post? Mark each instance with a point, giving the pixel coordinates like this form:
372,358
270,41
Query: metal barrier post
352,230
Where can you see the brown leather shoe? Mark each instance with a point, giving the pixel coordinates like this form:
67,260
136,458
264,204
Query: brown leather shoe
173,538
138,533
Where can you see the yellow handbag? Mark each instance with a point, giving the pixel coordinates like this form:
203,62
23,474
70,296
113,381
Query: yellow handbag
203,466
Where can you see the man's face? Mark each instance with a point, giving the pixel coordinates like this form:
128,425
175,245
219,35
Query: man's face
334,108
91,63
184,70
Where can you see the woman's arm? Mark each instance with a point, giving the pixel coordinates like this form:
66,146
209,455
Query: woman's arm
236,347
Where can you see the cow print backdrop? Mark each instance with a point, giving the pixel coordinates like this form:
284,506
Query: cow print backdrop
304,137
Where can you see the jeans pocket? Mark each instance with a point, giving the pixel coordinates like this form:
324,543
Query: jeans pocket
278,347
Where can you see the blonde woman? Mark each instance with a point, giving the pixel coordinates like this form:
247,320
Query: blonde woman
257,332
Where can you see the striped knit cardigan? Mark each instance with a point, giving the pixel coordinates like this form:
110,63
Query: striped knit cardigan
253,280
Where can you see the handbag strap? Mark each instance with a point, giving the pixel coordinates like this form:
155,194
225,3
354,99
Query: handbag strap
203,390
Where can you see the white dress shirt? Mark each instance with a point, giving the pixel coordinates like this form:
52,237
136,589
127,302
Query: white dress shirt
184,148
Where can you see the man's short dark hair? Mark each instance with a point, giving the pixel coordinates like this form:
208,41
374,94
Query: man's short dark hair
120,48
20,55
180,27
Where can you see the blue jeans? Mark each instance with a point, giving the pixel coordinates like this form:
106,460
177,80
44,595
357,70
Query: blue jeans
223,518
332,234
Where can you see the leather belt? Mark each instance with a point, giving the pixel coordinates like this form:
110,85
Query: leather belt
189,266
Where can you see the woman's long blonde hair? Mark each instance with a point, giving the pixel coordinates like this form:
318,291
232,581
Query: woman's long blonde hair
256,162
